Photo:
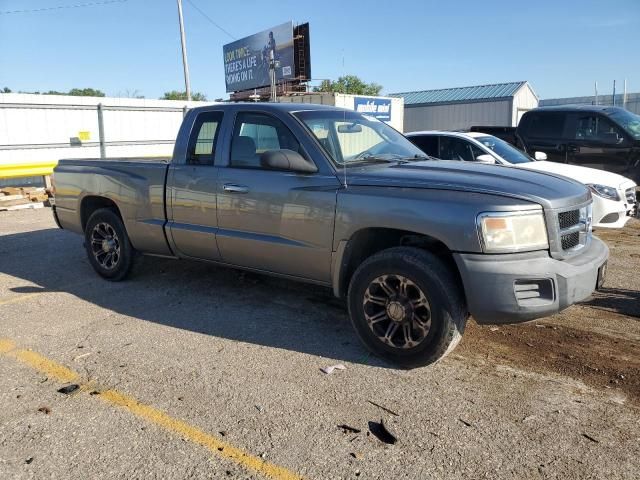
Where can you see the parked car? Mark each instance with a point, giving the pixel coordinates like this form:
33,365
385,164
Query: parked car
614,198
331,197
606,138
508,134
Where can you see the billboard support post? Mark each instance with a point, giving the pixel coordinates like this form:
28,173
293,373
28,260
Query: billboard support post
187,82
272,77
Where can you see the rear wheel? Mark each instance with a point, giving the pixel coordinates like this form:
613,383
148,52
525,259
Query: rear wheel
108,247
406,306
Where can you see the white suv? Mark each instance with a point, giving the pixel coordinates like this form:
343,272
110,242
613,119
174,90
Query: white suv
614,196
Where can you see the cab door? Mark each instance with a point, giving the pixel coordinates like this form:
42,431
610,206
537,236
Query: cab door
596,142
545,132
191,199
274,220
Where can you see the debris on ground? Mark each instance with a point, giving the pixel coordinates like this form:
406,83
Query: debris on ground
44,409
348,429
17,198
468,424
69,389
384,408
329,370
382,433
75,359
28,460
589,437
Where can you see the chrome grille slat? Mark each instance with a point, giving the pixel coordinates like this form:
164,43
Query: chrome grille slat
570,230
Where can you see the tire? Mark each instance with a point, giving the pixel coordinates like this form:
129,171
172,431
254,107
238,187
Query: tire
422,297
106,235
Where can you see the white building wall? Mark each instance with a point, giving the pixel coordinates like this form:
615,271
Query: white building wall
37,123
347,101
457,116
524,100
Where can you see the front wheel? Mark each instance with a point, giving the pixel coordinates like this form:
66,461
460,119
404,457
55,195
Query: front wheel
406,306
108,247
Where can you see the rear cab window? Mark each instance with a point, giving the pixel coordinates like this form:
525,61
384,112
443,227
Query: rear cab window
203,138
545,125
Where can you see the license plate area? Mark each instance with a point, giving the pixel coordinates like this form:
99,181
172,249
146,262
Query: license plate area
602,274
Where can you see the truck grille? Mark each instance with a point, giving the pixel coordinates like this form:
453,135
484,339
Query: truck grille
568,219
573,231
570,240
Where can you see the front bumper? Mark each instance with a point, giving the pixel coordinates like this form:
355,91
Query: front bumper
514,288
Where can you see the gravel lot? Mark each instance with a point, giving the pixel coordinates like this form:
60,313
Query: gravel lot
214,360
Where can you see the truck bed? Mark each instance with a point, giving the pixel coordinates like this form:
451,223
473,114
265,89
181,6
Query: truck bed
94,161
136,185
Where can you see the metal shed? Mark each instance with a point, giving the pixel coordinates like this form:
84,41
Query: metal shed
501,104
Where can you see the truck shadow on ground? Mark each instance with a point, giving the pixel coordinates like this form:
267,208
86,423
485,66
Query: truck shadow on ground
618,300
199,297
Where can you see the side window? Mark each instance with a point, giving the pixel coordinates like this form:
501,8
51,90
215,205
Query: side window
452,148
256,133
598,129
201,149
427,143
547,125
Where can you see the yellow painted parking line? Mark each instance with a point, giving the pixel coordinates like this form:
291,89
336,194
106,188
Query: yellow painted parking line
146,412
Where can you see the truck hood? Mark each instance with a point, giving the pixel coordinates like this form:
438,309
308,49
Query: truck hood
550,191
581,174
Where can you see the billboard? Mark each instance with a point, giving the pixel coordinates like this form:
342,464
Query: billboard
246,61
379,108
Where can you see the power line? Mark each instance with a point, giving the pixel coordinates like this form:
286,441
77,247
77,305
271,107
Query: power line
209,18
60,7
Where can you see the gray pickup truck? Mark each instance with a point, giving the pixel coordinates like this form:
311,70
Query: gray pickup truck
332,197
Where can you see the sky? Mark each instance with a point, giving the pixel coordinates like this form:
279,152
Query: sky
560,47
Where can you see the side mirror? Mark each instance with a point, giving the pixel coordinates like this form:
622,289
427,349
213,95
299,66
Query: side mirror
539,155
485,158
286,160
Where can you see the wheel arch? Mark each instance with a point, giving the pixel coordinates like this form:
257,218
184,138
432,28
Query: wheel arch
92,203
369,241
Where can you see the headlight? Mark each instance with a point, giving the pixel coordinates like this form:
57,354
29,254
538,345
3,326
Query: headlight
603,191
502,232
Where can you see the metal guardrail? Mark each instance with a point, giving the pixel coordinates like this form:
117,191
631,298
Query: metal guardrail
35,169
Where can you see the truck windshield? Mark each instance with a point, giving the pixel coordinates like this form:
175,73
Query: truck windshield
629,121
507,151
350,138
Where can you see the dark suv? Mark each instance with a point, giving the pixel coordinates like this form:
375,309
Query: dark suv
593,136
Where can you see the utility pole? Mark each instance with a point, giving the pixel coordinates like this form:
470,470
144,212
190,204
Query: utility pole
624,95
187,82
596,87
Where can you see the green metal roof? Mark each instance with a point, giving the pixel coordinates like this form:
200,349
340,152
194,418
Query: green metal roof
460,94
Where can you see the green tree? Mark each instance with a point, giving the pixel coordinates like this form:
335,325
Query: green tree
6,90
86,92
176,95
349,84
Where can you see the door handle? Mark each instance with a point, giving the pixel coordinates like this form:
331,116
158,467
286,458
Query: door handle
572,148
233,188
